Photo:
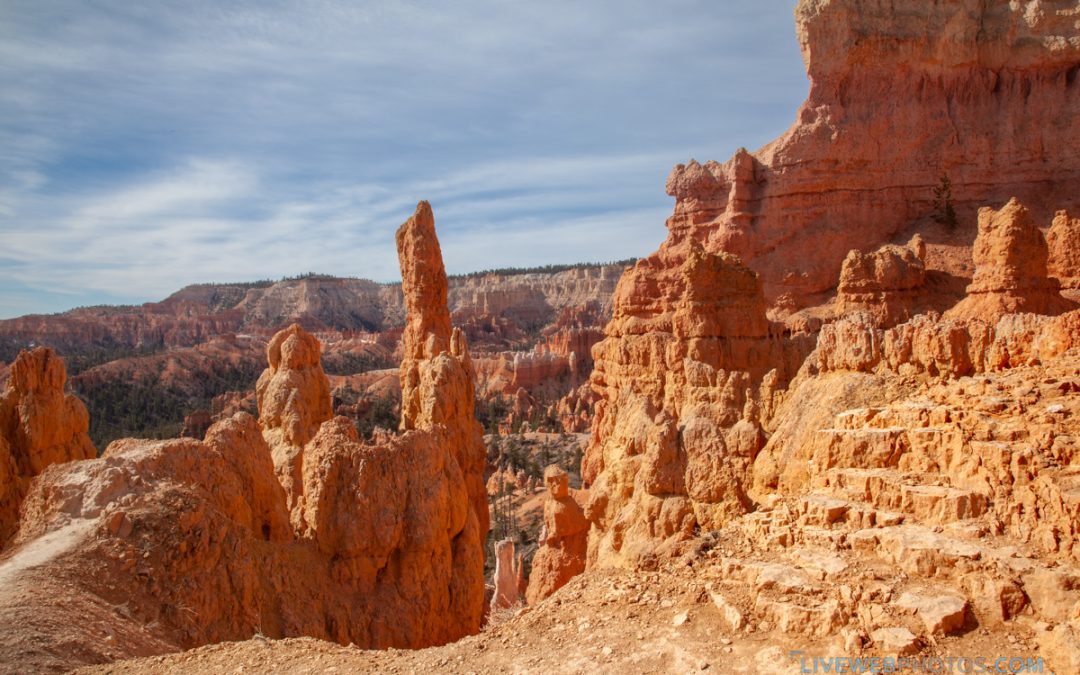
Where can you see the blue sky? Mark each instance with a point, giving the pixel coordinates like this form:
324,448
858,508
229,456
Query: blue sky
145,146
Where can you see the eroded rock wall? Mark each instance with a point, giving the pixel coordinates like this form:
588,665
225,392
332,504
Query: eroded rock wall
901,94
684,378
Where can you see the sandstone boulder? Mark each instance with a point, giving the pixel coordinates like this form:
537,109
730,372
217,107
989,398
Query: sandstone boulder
895,641
941,614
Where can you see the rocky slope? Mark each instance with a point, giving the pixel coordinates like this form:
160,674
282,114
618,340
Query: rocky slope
613,621
901,94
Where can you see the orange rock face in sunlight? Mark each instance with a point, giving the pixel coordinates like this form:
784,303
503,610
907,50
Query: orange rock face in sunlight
293,395
40,425
901,94
1063,240
688,360
1010,269
564,544
884,282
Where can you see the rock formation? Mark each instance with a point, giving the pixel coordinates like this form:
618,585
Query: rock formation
884,283
40,425
574,411
926,347
378,544
293,396
901,94
564,542
1010,257
507,571
437,378
687,359
1063,240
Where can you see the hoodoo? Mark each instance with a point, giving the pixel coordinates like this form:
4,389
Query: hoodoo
1010,257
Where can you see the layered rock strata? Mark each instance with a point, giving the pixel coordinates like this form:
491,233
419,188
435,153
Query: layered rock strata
901,95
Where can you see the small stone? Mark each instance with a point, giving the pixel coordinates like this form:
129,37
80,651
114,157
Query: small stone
607,651
899,641
680,619
940,614
729,613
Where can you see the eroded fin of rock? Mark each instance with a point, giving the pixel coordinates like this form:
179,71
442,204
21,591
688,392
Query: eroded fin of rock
40,425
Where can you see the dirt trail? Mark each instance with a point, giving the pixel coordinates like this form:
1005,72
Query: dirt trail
42,550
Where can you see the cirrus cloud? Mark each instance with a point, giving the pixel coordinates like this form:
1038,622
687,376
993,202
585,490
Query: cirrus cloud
150,146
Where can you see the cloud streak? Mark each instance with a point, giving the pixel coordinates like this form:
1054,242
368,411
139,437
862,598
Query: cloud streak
151,147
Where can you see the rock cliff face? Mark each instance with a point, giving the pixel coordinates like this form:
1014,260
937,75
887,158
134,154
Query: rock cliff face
1010,257
901,94
378,544
687,365
40,425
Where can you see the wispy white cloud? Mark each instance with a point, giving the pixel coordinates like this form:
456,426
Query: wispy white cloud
147,147
189,190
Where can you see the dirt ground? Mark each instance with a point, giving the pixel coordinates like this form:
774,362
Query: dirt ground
610,621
